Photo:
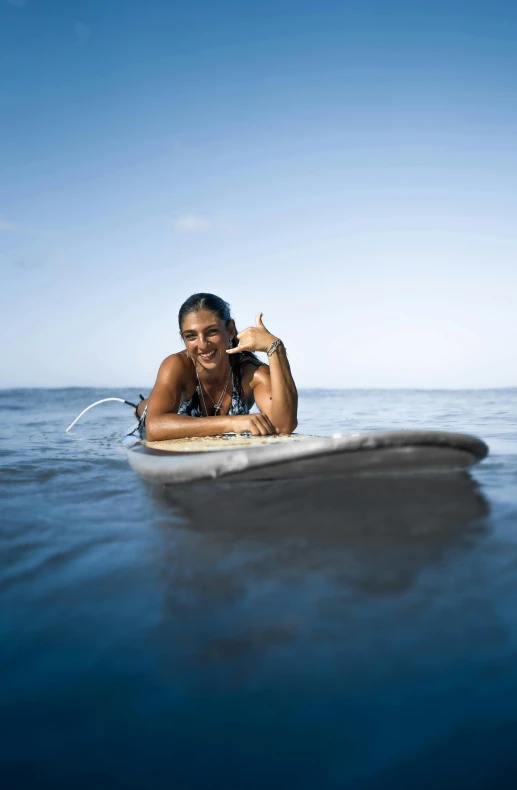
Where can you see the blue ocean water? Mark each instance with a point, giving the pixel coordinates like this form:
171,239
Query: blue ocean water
320,634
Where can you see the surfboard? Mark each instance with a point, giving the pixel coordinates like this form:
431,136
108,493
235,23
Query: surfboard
234,457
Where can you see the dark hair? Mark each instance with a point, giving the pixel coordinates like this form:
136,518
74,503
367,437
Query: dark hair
209,302
214,304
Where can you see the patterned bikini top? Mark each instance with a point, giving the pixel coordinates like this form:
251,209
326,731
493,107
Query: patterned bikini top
192,406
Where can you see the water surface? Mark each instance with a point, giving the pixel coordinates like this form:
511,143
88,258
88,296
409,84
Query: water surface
355,633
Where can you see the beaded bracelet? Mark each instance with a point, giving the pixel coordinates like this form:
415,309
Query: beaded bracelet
273,347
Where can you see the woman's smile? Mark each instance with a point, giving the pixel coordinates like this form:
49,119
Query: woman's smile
207,356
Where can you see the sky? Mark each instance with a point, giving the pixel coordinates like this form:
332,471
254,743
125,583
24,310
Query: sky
347,168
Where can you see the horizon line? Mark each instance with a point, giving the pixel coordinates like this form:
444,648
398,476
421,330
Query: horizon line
300,389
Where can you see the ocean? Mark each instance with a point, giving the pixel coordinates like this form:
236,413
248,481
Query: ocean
325,634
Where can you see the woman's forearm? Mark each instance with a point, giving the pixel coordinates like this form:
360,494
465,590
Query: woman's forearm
182,426
284,396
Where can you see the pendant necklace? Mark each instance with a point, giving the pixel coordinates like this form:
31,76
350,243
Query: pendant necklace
217,406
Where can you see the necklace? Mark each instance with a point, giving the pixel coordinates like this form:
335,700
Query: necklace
217,406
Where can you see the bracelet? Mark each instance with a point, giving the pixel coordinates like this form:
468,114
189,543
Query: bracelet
273,347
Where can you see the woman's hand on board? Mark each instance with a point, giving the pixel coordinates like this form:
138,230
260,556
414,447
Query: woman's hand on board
257,424
254,338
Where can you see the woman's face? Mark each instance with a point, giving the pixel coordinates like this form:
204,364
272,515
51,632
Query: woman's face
206,338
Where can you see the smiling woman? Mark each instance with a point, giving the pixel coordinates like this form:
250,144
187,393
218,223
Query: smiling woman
218,377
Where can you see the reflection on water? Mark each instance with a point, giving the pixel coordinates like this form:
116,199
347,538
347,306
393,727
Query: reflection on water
334,544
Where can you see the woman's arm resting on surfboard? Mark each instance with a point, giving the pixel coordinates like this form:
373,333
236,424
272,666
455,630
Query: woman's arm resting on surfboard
273,388
164,422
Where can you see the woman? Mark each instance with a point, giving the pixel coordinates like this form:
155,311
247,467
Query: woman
218,377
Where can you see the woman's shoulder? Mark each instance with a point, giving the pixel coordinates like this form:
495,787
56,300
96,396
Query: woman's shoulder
176,365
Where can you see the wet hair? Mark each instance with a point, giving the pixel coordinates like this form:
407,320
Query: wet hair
214,304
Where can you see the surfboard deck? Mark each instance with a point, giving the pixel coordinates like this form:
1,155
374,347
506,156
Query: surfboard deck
240,458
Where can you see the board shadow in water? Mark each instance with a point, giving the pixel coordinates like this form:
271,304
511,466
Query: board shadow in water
391,526
328,608
339,542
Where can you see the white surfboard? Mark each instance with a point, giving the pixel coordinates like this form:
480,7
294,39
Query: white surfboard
233,457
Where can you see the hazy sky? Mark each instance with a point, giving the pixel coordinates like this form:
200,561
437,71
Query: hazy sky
347,168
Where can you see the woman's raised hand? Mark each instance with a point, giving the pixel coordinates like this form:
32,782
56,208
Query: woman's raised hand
254,338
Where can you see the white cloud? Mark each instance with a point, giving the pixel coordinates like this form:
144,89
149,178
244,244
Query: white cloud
195,223
192,223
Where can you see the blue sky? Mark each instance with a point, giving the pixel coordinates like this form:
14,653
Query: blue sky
348,169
